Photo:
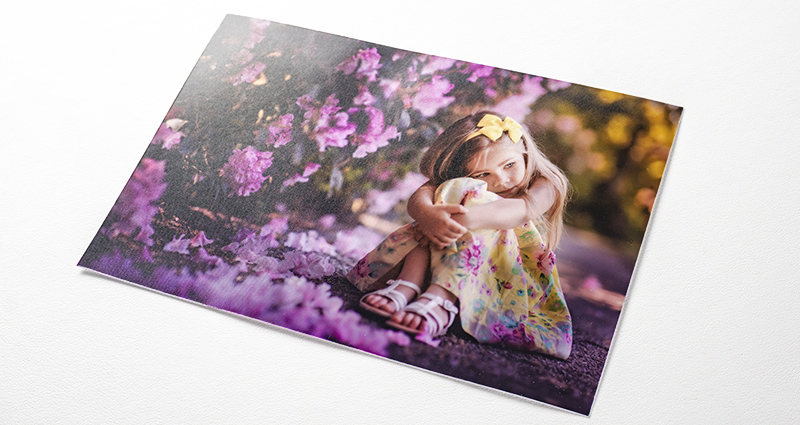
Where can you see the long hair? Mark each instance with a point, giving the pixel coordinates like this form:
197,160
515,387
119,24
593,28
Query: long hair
450,153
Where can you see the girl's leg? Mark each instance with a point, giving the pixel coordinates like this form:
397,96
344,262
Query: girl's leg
415,266
414,320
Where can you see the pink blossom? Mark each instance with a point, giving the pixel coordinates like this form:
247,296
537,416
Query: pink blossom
180,245
200,239
388,87
431,97
310,265
202,256
309,241
425,337
357,242
365,63
554,85
118,266
310,169
134,209
479,71
256,34
326,221
335,135
244,171
437,63
567,124
248,74
167,137
543,117
381,202
276,225
375,136
364,97
546,262
519,105
330,107
285,300
280,132
591,283
399,338
411,74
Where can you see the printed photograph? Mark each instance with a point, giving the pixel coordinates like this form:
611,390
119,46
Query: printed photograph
472,221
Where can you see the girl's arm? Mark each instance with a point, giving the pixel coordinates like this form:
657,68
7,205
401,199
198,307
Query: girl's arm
435,222
509,213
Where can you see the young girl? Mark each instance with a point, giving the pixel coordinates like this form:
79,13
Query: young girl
486,223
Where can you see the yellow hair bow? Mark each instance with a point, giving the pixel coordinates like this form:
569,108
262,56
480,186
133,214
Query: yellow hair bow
492,127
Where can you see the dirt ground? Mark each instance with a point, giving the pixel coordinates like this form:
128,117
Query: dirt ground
571,383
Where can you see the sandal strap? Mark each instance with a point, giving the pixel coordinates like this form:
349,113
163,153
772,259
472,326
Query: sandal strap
400,301
433,323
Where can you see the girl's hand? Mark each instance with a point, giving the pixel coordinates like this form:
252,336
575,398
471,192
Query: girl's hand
435,225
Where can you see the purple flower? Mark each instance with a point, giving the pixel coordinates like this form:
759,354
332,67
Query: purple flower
365,63
437,63
244,171
554,85
277,225
256,34
167,136
567,123
134,209
310,265
118,266
310,169
381,202
248,74
202,256
175,283
546,262
357,242
327,220
519,105
479,71
389,87
364,97
309,241
334,135
200,239
280,133
425,337
431,97
180,245
375,136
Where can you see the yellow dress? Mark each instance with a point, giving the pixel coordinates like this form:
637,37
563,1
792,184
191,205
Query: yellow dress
505,280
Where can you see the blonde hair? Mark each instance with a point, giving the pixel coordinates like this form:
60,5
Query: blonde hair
450,153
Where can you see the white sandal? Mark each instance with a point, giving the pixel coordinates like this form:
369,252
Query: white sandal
434,326
398,298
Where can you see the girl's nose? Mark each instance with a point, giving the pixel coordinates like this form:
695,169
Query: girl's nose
504,179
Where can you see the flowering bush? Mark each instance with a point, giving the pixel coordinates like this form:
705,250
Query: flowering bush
134,210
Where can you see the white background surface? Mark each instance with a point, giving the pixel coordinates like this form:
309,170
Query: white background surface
709,330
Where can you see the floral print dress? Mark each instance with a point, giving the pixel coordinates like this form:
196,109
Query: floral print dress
505,280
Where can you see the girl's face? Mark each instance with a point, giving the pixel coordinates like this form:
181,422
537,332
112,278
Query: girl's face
501,166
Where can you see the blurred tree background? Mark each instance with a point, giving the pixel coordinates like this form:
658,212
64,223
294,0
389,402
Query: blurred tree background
276,118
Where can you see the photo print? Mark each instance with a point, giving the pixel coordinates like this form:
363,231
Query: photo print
469,220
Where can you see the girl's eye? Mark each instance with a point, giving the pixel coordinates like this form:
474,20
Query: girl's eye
480,176
510,164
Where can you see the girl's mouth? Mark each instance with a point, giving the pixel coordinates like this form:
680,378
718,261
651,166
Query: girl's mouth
508,192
